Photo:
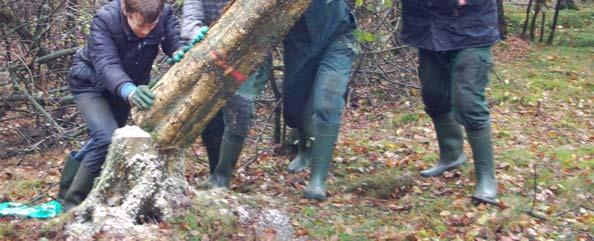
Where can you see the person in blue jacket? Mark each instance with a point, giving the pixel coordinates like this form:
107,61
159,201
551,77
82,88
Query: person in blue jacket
454,39
224,149
318,56
109,75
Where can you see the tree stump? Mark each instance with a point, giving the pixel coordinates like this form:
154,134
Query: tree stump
138,184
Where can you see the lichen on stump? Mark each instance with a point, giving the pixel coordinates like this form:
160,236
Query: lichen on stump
137,184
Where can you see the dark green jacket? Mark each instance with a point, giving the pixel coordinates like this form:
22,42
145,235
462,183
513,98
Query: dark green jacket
322,23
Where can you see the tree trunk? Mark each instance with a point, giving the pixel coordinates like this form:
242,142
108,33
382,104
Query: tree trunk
192,91
554,25
526,20
542,27
502,23
537,8
143,177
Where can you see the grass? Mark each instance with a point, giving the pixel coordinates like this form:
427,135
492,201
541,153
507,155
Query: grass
384,184
548,73
575,28
206,217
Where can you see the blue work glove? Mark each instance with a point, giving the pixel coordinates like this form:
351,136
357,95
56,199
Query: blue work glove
179,55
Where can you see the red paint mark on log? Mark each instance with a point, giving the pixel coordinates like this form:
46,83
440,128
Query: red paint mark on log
228,70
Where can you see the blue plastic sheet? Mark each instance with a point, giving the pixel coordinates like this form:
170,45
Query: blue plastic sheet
42,211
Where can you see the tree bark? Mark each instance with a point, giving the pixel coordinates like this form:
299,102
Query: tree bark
537,9
527,19
502,23
554,25
542,27
192,91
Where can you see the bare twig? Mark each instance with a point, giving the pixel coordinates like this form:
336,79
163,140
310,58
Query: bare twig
37,106
245,165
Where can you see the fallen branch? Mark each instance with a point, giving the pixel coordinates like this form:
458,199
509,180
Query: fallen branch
260,138
56,55
36,105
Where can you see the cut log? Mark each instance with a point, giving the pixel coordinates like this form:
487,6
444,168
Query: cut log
193,91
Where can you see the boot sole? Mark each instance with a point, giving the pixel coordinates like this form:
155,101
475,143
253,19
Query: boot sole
296,169
316,197
478,200
457,165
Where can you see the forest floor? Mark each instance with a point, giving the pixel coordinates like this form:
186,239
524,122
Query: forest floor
542,103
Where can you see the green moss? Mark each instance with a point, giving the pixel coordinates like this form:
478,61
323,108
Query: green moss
403,119
154,135
384,184
30,184
206,218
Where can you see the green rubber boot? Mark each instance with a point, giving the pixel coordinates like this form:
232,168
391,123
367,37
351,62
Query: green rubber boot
321,152
70,168
213,149
303,157
212,136
484,165
230,150
451,145
80,188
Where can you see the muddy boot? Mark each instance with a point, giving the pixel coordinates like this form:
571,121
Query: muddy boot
70,168
230,151
303,157
484,165
321,157
80,188
451,142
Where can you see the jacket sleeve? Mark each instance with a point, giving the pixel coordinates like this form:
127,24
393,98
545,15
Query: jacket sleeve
172,41
104,55
193,19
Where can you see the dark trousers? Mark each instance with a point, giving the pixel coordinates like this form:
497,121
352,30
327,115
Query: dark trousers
103,114
317,87
456,81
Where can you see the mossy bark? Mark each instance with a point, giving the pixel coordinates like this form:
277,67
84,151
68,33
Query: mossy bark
192,91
